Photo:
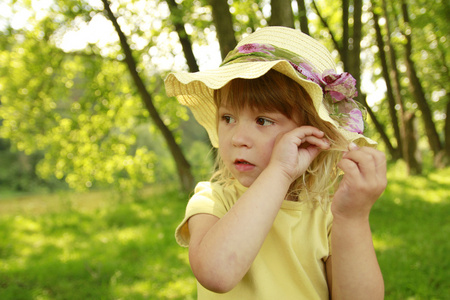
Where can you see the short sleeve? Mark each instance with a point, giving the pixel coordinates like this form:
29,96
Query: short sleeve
204,201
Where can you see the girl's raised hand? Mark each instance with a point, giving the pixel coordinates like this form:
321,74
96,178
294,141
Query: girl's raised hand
294,151
363,182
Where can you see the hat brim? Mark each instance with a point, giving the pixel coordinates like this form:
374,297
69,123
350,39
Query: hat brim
196,91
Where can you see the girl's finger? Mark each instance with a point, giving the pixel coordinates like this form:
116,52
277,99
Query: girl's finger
312,140
379,158
350,169
364,159
305,131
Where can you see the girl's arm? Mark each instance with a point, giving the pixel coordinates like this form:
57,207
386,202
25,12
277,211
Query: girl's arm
353,269
222,250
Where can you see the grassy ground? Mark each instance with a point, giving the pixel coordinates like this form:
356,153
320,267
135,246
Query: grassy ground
93,246
411,227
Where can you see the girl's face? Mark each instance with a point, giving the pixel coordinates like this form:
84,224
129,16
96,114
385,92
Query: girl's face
246,139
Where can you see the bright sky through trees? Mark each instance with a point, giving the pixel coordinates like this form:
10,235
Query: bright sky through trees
99,31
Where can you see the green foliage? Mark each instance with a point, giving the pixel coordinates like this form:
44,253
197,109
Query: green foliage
18,170
248,16
429,30
78,112
80,109
431,52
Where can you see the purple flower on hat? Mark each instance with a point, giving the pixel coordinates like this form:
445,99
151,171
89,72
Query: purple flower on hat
339,86
306,70
355,122
255,47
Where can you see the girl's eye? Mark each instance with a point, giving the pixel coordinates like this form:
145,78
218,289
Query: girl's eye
228,119
264,122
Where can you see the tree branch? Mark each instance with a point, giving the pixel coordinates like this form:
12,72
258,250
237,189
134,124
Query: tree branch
325,24
183,167
176,15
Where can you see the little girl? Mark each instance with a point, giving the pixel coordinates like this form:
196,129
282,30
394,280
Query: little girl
286,216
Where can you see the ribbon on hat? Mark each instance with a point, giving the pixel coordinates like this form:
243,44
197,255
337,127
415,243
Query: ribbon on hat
338,89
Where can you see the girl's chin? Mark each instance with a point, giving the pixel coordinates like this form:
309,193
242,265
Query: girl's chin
246,182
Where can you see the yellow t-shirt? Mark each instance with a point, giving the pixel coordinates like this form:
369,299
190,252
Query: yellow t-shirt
291,262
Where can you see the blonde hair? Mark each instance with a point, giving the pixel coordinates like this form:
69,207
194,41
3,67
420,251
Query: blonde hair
277,92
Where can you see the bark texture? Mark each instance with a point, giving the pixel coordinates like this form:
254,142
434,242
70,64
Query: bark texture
177,19
224,26
302,16
417,90
390,94
282,14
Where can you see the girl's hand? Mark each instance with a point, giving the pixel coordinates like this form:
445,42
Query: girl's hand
294,151
363,182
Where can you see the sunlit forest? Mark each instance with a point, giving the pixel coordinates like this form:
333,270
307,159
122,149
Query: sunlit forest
97,163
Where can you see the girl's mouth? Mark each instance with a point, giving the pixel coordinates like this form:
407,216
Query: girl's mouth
243,165
241,161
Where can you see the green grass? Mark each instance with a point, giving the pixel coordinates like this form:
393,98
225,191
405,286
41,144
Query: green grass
411,229
93,246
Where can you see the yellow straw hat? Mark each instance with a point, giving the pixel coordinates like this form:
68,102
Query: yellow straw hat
302,59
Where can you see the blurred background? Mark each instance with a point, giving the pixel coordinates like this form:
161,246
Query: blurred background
97,163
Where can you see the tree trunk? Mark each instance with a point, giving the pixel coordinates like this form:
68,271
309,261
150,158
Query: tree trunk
325,24
379,127
355,51
417,91
176,15
390,95
395,80
282,14
354,67
184,170
302,16
345,33
224,26
412,156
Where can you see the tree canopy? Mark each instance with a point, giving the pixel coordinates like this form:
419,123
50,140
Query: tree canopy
70,99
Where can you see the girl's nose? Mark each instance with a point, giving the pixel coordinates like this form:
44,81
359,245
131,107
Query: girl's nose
242,136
